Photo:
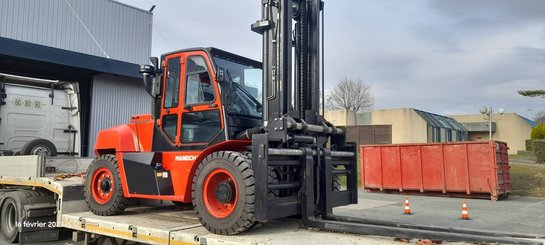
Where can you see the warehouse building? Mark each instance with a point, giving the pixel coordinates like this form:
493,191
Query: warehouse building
408,125
97,44
507,127
396,126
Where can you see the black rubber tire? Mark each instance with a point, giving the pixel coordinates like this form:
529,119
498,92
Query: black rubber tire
272,175
117,202
336,184
10,217
243,216
29,147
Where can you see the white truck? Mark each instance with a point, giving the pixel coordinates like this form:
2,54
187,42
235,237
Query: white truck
38,116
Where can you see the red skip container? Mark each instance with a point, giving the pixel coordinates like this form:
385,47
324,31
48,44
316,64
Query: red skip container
477,169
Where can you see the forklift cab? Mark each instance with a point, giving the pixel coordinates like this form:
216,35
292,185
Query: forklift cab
204,96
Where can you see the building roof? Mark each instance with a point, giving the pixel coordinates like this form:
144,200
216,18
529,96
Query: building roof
531,122
102,28
439,121
41,53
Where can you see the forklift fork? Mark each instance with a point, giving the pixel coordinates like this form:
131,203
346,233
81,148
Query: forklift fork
325,199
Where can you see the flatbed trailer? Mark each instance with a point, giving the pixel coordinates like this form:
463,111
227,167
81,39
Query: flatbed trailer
152,223
160,223
52,202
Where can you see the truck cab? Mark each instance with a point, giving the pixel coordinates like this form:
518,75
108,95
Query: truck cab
38,116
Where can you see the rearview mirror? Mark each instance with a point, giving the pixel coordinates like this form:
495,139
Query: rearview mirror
151,77
154,61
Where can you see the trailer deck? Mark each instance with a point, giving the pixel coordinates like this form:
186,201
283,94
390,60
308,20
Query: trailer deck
170,225
164,223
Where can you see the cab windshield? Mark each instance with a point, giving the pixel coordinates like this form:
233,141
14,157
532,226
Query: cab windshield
246,86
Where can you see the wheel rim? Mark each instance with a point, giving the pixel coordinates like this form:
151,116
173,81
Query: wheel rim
40,150
220,193
102,185
11,218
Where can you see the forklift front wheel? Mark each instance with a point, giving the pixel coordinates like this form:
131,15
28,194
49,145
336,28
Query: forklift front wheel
223,193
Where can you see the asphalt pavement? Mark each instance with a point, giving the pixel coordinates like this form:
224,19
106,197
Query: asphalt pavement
521,215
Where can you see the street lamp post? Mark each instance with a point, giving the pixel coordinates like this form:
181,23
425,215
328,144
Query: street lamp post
487,114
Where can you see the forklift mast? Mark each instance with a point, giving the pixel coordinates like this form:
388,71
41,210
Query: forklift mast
308,155
300,97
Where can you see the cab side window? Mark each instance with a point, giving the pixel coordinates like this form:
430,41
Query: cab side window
199,87
170,127
200,126
172,95
172,90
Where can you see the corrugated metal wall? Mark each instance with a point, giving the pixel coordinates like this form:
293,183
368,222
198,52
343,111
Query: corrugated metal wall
114,100
123,32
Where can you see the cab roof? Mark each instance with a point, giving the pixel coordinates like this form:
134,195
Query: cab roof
215,52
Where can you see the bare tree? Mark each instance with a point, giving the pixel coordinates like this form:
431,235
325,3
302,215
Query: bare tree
350,95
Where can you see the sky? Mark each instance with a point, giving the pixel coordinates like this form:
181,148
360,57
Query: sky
444,57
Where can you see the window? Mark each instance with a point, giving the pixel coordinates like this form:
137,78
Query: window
449,134
200,126
199,87
435,134
243,103
170,127
172,90
246,75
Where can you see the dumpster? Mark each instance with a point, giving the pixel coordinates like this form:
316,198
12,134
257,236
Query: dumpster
476,169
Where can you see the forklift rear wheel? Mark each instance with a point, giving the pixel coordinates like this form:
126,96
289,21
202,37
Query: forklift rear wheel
10,220
103,191
223,193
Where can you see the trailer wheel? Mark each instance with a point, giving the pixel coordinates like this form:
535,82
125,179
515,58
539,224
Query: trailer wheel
9,220
103,191
223,193
39,147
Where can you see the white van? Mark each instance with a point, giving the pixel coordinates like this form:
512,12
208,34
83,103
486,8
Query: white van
38,116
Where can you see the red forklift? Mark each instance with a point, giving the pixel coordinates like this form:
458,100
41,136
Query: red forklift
210,142
239,160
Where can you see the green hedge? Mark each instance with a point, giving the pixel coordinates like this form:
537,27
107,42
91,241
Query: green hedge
529,146
539,149
538,132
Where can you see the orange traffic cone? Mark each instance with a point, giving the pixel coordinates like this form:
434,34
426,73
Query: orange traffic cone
465,213
407,207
